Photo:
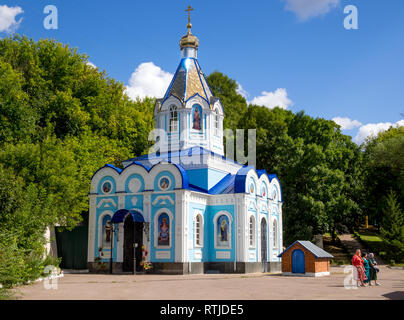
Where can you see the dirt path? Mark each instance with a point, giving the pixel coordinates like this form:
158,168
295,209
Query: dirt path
351,244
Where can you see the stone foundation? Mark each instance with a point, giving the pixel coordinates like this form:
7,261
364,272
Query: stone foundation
191,267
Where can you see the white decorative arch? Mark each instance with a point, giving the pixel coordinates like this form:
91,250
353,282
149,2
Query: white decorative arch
128,171
263,180
101,173
197,214
156,231
197,100
276,184
171,101
164,166
251,174
217,215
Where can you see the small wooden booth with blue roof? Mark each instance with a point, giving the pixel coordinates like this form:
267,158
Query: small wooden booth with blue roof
303,258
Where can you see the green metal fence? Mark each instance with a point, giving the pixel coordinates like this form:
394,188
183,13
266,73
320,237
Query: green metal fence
72,247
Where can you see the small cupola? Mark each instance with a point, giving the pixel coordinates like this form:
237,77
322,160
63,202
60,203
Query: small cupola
189,43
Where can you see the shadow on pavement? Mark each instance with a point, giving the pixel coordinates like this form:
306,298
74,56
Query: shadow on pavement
395,295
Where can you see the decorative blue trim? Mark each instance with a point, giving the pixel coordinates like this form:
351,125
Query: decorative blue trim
180,169
121,214
118,170
196,94
172,82
240,181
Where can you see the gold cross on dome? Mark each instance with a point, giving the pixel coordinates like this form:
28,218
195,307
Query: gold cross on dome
189,9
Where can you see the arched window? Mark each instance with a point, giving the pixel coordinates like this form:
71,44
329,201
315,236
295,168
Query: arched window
275,233
198,231
173,119
217,122
252,231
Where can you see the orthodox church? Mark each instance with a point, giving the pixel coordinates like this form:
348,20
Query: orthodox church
185,208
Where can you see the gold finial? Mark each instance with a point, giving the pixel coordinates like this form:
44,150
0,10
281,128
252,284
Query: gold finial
189,9
189,40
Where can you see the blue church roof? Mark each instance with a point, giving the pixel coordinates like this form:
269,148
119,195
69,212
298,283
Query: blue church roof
179,153
189,81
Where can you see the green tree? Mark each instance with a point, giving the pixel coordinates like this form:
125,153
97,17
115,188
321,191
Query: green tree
234,104
392,228
384,169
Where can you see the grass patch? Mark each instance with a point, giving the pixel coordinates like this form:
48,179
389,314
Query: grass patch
372,242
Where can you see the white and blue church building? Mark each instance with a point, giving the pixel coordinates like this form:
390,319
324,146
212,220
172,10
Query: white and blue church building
186,208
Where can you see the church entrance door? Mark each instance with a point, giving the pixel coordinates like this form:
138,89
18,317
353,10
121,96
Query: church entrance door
128,243
264,245
138,245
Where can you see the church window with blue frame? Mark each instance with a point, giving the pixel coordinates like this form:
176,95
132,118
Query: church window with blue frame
275,233
217,122
198,231
173,119
252,231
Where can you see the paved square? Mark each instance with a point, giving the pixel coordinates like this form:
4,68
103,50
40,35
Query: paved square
214,287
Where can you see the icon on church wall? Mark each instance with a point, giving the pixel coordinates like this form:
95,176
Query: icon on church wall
107,187
107,230
252,188
264,191
164,230
222,231
164,183
273,194
196,118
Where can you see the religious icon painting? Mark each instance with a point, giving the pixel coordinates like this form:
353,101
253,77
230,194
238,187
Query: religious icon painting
107,187
197,117
273,194
107,230
222,231
264,191
252,187
163,230
164,183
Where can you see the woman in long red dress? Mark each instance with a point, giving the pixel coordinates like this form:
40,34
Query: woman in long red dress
357,262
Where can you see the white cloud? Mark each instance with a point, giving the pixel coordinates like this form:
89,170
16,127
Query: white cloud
346,123
7,18
241,91
306,9
372,129
91,64
148,80
279,98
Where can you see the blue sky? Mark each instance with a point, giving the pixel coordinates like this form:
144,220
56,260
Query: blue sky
293,52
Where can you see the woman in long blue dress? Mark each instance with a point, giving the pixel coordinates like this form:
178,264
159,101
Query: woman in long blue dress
366,265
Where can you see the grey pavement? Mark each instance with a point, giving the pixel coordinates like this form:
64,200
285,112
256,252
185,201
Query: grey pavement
214,287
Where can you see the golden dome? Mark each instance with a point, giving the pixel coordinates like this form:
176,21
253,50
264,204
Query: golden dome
189,40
